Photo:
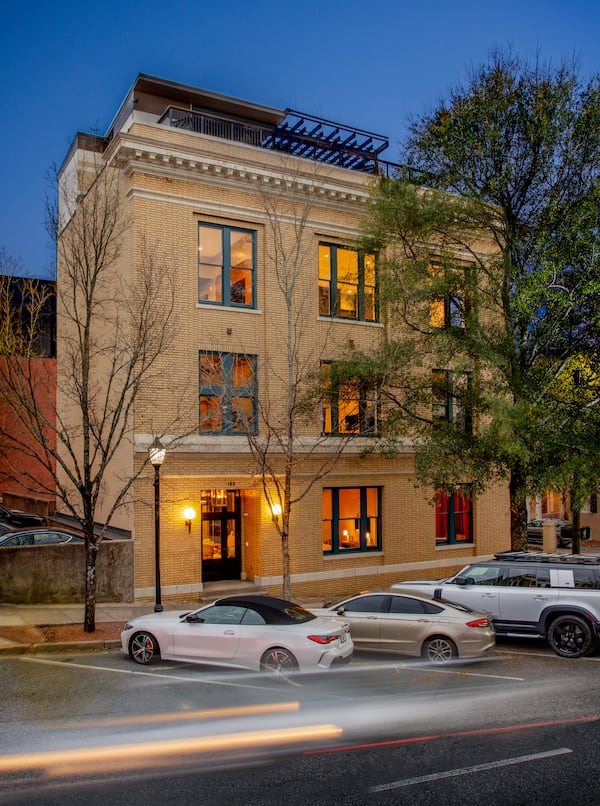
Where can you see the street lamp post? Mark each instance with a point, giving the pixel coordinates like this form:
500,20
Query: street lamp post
157,457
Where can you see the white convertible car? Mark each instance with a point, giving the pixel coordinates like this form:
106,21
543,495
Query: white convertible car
249,632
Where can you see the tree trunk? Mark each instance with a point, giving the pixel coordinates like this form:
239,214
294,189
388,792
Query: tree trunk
285,551
518,510
89,620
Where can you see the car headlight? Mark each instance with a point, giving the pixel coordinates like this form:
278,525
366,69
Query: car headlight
128,626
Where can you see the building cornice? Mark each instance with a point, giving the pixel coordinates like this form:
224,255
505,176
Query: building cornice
334,186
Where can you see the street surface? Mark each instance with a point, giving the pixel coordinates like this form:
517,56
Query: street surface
521,727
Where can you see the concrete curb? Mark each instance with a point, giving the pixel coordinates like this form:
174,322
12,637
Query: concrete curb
14,648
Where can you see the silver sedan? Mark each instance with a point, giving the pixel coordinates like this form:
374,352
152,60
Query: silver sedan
414,624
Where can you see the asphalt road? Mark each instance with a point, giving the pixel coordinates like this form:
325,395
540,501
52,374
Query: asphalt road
519,728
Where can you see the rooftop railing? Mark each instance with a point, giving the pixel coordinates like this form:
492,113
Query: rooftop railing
345,153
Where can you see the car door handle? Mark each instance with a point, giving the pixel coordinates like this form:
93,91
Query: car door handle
229,632
372,617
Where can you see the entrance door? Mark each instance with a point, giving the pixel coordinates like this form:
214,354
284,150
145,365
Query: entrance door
221,535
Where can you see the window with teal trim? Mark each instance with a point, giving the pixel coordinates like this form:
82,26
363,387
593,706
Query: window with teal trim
228,396
347,283
351,519
348,406
226,265
453,516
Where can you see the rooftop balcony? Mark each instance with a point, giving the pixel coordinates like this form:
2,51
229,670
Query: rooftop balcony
300,135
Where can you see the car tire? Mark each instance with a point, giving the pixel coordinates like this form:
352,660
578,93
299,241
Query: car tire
439,649
143,648
278,662
571,636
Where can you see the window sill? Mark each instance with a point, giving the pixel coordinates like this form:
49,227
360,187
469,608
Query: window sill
348,321
354,555
462,545
215,306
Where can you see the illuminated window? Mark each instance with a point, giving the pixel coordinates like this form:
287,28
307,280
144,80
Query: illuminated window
347,283
351,519
453,517
227,393
449,308
348,407
226,262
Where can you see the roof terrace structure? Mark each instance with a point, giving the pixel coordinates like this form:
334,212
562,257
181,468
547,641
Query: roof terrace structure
283,130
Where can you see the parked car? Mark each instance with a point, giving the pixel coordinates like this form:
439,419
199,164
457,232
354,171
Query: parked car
251,632
38,537
564,532
551,596
414,624
14,517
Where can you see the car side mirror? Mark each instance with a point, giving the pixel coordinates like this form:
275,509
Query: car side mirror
340,611
463,580
194,618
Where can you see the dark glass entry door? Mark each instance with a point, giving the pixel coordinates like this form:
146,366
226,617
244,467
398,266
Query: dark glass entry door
221,535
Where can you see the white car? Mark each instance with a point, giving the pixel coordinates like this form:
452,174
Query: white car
249,632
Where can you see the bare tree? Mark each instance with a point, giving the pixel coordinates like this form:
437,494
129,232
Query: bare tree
109,290
290,458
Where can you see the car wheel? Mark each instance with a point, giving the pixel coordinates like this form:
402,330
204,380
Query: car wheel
571,637
439,650
143,647
278,662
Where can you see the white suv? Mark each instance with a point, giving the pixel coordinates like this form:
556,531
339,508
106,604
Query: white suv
554,596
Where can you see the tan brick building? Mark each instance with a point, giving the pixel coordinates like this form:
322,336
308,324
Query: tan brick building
228,195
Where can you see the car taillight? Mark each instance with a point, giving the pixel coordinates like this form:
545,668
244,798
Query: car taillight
479,622
323,639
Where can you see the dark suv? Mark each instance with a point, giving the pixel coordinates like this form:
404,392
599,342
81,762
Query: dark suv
553,596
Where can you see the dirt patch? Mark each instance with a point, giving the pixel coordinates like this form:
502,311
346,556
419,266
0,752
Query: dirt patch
59,633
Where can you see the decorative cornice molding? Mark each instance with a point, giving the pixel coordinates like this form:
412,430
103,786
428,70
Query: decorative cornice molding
339,187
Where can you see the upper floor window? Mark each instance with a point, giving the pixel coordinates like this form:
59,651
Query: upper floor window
228,397
347,283
453,516
349,407
226,265
451,402
449,308
351,519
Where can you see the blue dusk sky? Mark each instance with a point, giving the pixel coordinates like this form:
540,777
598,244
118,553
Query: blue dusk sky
66,67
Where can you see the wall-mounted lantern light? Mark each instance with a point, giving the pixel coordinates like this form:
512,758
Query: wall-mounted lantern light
189,513
276,511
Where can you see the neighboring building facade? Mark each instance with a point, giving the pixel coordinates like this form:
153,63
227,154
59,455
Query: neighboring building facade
214,184
25,483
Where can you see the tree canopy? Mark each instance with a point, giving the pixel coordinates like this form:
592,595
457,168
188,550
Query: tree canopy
490,276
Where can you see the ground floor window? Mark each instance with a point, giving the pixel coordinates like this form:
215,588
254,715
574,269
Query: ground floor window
351,519
453,517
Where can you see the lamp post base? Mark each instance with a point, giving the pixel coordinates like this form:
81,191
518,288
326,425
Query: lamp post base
158,608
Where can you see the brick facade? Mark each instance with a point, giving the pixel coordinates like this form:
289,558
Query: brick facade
172,180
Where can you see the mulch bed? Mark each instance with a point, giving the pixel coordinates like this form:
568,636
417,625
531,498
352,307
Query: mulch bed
59,633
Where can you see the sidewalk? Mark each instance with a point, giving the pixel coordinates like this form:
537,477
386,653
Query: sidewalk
21,626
